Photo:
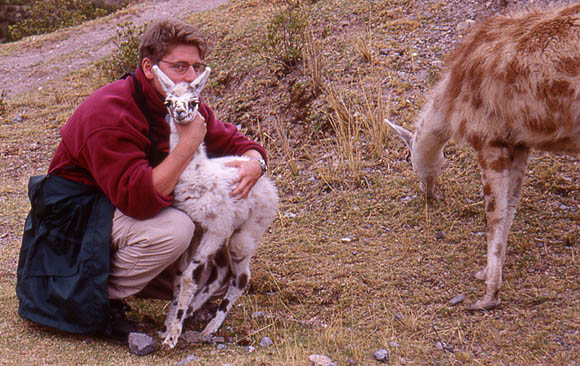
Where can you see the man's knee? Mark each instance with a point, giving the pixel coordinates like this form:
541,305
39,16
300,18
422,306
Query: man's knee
178,228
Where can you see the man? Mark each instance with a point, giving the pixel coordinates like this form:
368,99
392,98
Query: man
109,191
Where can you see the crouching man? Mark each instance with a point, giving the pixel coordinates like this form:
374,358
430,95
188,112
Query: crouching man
101,227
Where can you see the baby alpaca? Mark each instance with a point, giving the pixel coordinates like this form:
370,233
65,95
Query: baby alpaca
512,85
203,192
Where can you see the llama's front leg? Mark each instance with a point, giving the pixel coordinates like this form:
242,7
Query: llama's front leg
181,267
209,245
186,290
503,170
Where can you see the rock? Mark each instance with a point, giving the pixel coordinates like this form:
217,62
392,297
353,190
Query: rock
188,359
258,315
250,349
320,360
192,336
456,300
382,355
266,342
141,344
394,344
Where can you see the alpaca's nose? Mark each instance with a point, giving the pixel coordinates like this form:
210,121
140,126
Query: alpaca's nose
181,114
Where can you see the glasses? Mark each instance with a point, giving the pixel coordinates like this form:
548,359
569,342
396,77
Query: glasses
182,67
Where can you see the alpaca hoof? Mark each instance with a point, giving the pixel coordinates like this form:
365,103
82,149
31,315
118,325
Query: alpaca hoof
484,304
169,342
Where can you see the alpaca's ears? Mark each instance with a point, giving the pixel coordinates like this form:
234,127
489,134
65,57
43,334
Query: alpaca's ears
165,81
404,134
199,83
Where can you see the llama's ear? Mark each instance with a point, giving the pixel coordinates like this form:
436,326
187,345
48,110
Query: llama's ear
165,81
199,83
405,135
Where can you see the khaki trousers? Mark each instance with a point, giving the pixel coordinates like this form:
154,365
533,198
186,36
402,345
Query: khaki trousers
145,254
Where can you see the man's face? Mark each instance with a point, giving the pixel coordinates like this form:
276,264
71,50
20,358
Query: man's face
179,64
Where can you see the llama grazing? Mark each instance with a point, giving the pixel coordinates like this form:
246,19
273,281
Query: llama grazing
203,192
512,85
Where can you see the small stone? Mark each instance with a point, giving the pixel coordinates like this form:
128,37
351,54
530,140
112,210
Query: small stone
141,344
266,342
258,315
192,336
394,344
218,339
439,235
188,359
250,349
456,300
382,355
320,360
221,346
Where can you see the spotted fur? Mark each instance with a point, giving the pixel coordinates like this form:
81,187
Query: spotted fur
203,192
512,85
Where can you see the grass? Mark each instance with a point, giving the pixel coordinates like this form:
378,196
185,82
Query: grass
356,260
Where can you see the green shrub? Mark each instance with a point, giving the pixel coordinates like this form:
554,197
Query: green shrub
285,35
126,57
49,15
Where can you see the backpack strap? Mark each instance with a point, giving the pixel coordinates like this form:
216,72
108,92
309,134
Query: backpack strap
154,155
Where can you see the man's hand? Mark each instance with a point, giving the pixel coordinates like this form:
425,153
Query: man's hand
192,134
249,173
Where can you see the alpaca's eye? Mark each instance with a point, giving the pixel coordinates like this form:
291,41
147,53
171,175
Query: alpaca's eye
193,104
167,103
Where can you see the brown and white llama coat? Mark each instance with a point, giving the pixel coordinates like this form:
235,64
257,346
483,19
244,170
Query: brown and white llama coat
512,85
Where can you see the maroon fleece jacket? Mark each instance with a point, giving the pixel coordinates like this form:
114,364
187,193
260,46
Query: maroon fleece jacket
107,137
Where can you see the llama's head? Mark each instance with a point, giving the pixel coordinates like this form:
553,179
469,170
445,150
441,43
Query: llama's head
182,99
427,158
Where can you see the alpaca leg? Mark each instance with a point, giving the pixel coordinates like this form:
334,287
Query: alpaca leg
181,267
242,246
238,284
220,273
209,245
502,174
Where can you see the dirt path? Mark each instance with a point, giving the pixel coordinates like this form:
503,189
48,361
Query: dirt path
48,58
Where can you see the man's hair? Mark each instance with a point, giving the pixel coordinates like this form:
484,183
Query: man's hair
162,35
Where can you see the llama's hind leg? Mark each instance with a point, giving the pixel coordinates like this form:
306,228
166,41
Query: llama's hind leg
503,169
220,273
242,246
209,245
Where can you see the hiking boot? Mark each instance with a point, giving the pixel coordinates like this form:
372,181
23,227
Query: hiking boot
121,326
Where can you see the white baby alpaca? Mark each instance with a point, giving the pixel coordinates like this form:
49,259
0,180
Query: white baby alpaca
203,192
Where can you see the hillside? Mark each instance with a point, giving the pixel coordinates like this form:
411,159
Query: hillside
357,260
